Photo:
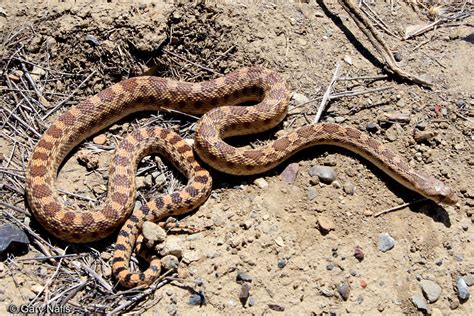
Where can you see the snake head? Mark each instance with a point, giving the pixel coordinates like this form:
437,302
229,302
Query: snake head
439,192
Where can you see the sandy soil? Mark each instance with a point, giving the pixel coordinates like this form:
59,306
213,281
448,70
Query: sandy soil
270,230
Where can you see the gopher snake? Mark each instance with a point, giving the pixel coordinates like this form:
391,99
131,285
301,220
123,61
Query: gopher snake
70,223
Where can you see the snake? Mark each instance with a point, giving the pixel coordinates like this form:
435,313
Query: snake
247,101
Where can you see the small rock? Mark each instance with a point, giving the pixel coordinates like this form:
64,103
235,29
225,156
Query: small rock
372,127
391,134
196,299
289,174
431,290
91,39
325,224
160,179
349,188
100,139
262,183
252,301
397,56
324,173
423,136
244,292
359,253
344,290
87,158
276,307
386,242
243,277
105,256
281,263
279,241
170,262
312,193
153,232
399,117
173,246
299,98
419,301
247,224
148,181
348,59
191,256
462,288
13,239
37,288
363,283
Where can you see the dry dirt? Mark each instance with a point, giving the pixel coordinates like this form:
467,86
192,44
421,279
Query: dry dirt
271,233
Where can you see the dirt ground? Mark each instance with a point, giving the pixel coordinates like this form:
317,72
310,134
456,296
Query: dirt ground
296,242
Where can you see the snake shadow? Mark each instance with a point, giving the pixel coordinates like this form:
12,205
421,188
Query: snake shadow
222,180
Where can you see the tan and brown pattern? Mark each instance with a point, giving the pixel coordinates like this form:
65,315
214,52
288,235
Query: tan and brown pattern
217,98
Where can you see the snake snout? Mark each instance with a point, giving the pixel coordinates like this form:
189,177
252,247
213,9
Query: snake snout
444,193
439,192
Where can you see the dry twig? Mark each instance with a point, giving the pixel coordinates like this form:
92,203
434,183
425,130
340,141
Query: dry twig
366,27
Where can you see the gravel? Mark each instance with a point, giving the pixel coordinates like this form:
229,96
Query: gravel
325,174
262,183
344,290
386,242
359,253
245,277
462,288
312,193
431,290
419,301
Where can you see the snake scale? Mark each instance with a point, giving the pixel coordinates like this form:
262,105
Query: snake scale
218,101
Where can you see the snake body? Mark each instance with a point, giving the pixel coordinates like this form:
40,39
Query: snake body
218,101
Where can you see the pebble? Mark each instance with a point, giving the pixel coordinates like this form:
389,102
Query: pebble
153,232
399,117
12,238
431,290
344,290
170,262
244,292
363,283
397,56
419,301
276,307
312,193
324,173
262,183
279,241
148,181
290,173
325,224
191,256
196,299
299,98
463,289
173,246
372,127
251,301
100,139
349,188
359,253
92,40
281,263
386,242
243,277
37,288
